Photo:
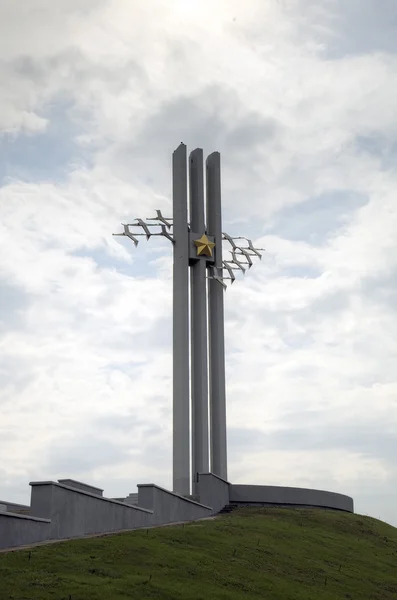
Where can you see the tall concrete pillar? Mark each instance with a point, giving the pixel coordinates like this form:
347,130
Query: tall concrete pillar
181,397
198,304
216,323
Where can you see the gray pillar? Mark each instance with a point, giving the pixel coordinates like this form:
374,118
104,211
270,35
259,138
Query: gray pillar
216,324
181,400
198,304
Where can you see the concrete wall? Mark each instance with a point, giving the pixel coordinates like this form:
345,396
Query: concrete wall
60,511
75,513
81,486
213,491
266,494
14,507
132,498
168,507
20,530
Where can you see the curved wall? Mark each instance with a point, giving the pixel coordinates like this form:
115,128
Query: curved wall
289,496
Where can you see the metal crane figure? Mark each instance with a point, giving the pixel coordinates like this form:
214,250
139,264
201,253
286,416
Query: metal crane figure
229,269
164,220
230,239
141,223
215,275
236,261
251,247
166,234
128,233
244,252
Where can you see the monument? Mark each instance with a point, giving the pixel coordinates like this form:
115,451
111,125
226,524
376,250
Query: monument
199,390
67,508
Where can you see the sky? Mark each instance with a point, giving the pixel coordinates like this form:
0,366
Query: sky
300,98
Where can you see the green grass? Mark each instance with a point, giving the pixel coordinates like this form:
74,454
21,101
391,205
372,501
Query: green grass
273,554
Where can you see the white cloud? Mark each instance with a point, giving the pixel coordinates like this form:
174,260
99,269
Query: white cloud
85,323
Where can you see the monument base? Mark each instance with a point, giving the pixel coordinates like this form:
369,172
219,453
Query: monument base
219,493
69,509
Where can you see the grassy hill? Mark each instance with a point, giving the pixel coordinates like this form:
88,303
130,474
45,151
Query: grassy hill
273,554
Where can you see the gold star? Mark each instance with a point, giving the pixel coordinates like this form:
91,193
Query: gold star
204,246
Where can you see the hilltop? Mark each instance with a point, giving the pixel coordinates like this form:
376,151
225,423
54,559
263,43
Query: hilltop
274,554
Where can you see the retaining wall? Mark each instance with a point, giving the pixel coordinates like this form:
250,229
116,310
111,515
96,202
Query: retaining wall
81,486
289,496
75,513
132,499
213,491
60,511
21,530
168,507
14,507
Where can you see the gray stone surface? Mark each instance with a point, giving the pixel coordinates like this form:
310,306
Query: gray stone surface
14,507
198,328
216,324
132,499
168,507
180,326
21,530
75,513
81,486
277,495
61,512
213,491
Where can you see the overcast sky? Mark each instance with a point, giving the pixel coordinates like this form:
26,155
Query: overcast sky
300,98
